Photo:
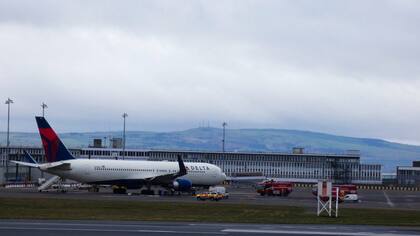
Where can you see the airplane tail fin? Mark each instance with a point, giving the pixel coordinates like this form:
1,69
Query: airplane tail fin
53,147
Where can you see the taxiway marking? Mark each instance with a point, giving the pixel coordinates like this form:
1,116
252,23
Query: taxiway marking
390,203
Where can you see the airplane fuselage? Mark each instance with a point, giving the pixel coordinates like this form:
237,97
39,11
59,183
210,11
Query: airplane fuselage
127,172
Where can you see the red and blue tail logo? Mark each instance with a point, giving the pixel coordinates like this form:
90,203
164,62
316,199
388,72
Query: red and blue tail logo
53,147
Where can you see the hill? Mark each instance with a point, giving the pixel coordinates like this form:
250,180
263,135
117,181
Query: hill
257,140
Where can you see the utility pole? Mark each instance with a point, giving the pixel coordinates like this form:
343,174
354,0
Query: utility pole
43,105
223,140
124,116
8,102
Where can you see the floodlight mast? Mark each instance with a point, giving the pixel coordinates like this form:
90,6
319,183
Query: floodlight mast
8,103
44,106
124,116
224,132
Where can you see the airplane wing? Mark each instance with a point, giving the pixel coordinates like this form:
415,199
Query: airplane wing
168,178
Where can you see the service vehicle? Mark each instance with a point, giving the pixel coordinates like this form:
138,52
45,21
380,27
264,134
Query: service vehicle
209,196
220,190
347,188
274,188
344,190
351,198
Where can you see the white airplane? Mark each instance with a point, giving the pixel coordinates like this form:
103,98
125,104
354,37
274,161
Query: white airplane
176,176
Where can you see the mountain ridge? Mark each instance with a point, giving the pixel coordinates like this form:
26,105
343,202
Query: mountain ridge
373,150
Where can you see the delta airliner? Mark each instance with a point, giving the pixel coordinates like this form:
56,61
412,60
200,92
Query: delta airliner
178,176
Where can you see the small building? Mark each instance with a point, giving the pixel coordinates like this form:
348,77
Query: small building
408,175
116,142
97,143
389,179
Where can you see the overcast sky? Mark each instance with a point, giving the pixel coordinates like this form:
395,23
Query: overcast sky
342,67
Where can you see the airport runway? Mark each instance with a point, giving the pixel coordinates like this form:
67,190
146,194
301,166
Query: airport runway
103,228
387,199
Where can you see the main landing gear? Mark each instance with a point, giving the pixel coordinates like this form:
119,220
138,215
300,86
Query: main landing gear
119,189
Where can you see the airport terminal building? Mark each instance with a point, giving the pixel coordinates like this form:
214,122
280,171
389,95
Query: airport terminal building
296,166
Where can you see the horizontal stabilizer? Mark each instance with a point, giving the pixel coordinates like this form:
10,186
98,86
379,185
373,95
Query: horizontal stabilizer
29,158
26,164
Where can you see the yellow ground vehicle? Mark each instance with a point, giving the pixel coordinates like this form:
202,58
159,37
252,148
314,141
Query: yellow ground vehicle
209,196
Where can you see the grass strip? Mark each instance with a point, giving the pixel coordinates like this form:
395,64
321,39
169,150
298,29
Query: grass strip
72,209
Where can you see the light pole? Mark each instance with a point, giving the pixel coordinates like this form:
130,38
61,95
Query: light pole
124,116
43,105
8,102
223,140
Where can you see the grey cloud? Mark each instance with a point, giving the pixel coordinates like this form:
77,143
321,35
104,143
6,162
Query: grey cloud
374,39
342,67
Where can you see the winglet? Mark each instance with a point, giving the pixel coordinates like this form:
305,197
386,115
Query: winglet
29,158
182,169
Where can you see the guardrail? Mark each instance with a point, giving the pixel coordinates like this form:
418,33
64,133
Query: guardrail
19,185
396,188
369,187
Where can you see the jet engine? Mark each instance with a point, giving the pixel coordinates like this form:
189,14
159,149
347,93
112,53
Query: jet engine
182,185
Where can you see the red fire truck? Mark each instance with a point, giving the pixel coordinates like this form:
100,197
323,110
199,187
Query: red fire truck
344,190
274,188
348,188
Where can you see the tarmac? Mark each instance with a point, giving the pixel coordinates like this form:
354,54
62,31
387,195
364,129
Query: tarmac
103,228
384,199
238,194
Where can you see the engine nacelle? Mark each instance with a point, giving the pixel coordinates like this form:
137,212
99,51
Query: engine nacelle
182,185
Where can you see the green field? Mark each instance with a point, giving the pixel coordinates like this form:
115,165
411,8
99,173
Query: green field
65,209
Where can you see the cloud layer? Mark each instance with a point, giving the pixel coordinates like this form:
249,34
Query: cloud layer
348,68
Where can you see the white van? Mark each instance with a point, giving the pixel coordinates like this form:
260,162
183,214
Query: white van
351,198
220,190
